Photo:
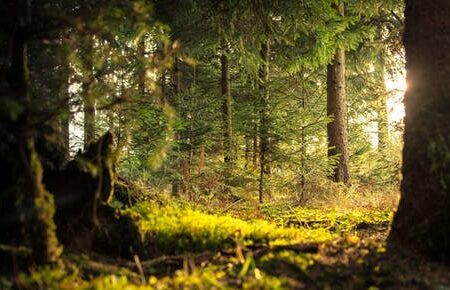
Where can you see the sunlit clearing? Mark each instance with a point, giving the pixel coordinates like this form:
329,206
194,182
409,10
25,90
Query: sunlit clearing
396,87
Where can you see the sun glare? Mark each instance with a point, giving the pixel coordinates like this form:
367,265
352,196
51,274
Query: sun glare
396,87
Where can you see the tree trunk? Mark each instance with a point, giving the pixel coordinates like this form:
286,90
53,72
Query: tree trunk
176,77
255,143
422,222
226,113
36,204
337,108
264,121
303,155
39,210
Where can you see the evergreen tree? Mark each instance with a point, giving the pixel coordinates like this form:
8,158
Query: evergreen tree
337,108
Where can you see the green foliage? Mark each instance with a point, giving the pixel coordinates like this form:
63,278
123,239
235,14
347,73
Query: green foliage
303,38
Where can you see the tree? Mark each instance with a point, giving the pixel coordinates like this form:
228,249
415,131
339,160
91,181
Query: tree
422,222
337,107
264,120
227,111
35,202
35,74
378,57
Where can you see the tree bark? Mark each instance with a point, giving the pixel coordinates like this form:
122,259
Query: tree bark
264,121
337,108
422,222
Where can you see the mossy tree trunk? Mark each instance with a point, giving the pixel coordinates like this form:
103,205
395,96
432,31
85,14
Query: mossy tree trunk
422,222
39,210
37,206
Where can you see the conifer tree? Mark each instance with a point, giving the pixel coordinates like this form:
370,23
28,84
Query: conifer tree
337,108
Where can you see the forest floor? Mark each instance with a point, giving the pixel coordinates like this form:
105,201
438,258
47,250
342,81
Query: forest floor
244,245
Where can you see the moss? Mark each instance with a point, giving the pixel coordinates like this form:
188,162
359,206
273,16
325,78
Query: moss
175,229
343,263
337,220
45,245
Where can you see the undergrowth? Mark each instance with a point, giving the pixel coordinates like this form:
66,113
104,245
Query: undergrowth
286,247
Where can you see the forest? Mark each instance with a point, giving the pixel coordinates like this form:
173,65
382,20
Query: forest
240,144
